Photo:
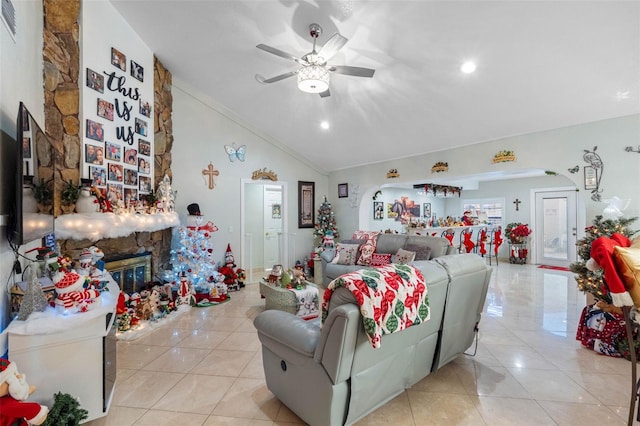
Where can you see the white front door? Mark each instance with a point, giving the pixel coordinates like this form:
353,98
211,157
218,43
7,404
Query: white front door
555,227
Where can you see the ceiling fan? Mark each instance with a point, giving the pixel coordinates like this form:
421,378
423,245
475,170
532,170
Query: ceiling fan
313,75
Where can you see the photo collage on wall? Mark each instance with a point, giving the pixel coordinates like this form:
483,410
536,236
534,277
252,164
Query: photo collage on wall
117,152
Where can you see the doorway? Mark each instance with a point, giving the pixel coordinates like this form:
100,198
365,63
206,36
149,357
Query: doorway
555,227
262,223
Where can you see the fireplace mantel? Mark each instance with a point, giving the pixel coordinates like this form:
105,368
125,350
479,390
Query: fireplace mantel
96,226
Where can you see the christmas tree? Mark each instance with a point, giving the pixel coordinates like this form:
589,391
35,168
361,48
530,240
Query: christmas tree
195,256
33,299
325,221
590,281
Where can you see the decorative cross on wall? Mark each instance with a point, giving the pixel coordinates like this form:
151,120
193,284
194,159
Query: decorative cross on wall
517,203
210,172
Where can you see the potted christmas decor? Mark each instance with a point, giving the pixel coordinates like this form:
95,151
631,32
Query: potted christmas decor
43,193
69,196
517,234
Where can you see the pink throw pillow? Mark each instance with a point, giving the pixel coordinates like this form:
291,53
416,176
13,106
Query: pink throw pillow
380,259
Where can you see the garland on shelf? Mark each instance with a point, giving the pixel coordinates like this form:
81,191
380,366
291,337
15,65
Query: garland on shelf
443,191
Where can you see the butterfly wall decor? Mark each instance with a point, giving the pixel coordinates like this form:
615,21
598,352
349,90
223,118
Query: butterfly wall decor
234,152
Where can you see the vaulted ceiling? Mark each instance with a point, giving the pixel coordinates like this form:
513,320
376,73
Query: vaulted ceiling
540,65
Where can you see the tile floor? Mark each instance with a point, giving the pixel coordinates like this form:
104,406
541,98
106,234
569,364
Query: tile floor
205,368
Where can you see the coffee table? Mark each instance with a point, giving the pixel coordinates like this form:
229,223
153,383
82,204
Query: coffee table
280,298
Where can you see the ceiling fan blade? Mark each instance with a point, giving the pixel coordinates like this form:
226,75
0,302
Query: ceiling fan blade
325,94
355,71
263,80
332,46
279,52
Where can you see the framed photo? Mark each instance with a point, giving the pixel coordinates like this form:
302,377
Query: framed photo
130,195
590,177
130,177
276,211
98,175
145,108
143,166
144,184
137,71
141,127
95,131
115,172
26,148
95,81
114,191
378,210
114,151
343,190
118,59
306,204
105,109
131,157
426,209
144,147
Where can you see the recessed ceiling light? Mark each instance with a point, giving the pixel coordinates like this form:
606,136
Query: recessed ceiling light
621,95
325,125
468,67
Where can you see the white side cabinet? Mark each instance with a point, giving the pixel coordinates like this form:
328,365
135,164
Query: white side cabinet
74,354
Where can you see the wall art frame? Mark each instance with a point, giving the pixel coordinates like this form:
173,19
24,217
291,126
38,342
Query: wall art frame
343,190
378,210
306,204
426,209
590,177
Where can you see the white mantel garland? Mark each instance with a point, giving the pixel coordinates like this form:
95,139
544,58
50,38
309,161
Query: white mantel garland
96,226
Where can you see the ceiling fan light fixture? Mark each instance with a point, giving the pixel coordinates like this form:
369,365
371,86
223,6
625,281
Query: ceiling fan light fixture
313,79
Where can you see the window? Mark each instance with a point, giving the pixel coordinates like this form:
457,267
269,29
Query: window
486,210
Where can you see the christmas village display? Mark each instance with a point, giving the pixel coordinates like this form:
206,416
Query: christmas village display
71,286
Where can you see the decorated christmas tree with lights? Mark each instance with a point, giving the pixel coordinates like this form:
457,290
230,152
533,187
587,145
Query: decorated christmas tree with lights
592,281
194,257
325,223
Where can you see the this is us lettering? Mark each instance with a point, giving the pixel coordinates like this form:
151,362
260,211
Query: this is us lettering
123,110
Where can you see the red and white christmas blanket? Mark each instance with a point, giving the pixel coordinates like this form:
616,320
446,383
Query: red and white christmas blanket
391,298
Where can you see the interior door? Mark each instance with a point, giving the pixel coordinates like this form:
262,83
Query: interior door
556,227
272,225
262,220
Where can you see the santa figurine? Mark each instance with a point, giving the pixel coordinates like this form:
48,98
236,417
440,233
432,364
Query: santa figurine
14,390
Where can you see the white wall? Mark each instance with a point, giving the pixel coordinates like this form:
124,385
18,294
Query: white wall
103,28
555,150
201,130
20,80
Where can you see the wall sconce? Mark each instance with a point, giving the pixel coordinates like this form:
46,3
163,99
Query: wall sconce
632,149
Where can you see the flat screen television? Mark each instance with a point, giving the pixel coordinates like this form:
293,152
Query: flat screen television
33,163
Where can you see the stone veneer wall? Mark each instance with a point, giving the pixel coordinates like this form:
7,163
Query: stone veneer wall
61,55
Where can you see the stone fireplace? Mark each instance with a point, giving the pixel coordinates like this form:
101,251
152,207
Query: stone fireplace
62,92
